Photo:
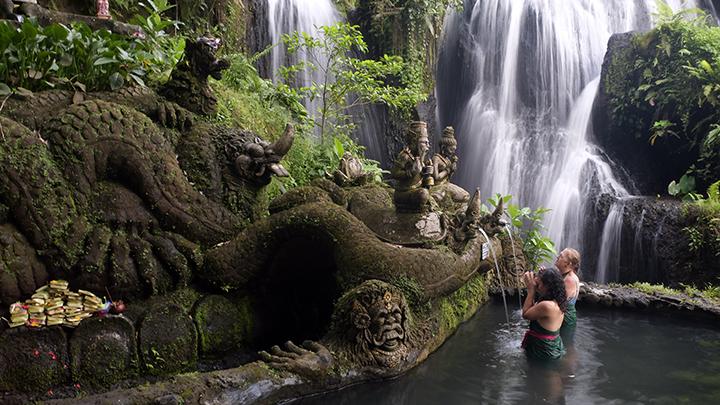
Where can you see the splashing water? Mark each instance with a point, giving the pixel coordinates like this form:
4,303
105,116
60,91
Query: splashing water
518,79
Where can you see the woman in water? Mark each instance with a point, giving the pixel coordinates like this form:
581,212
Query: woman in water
568,262
542,341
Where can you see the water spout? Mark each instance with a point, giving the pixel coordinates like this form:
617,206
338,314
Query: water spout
497,267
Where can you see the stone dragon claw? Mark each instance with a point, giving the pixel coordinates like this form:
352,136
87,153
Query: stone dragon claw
312,360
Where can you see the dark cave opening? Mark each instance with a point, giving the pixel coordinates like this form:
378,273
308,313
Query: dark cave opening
294,299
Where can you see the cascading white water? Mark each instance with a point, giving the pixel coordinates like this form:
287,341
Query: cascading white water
532,69
611,237
288,16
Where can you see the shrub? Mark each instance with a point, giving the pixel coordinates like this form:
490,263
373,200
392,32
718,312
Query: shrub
76,57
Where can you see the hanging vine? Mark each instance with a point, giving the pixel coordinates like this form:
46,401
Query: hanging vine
408,28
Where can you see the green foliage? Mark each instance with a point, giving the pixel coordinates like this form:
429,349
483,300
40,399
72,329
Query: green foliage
76,57
344,80
652,289
708,292
527,224
695,239
704,232
246,100
309,159
409,28
685,188
678,68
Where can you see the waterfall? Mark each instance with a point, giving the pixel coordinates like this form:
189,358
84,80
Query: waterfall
517,79
609,260
288,16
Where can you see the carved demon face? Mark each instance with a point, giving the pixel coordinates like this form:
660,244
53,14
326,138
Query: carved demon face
380,321
386,331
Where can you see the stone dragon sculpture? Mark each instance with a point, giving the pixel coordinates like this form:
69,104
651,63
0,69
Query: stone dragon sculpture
123,190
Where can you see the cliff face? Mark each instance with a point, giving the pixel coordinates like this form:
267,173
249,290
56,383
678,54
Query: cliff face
623,130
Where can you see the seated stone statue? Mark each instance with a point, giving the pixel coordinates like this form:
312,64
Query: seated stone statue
413,172
444,166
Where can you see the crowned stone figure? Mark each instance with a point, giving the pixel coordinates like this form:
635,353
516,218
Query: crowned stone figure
413,171
444,166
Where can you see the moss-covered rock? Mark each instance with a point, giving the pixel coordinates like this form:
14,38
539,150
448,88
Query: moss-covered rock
103,351
358,253
222,325
21,270
168,341
41,202
33,360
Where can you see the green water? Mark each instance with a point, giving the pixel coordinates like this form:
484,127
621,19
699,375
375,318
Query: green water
616,358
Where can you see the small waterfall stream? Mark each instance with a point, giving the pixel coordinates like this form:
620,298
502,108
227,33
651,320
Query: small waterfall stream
518,80
288,16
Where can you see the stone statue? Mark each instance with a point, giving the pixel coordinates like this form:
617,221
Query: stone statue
374,319
469,223
312,360
132,186
470,220
350,172
258,160
444,166
445,162
493,223
413,172
189,85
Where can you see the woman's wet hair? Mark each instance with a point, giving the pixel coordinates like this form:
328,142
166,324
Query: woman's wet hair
555,286
573,257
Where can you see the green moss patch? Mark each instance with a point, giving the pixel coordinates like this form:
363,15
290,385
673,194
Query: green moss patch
103,351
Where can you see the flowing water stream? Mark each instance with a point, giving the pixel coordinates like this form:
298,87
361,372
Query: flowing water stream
518,79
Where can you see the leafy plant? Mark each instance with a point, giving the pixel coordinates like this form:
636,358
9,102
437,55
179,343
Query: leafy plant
678,66
248,101
158,52
528,225
695,238
684,188
652,289
76,57
344,81
409,28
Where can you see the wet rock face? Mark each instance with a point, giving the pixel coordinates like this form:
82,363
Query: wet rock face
168,341
103,351
623,297
654,243
33,360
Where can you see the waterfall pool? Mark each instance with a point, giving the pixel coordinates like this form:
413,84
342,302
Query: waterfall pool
617,358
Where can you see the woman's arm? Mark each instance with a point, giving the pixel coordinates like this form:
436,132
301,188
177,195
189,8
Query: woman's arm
570,286
529,304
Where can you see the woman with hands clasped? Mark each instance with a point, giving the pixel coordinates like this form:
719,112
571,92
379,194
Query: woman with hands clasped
542,341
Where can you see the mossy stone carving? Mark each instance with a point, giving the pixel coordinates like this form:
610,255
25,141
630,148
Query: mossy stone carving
33,360
222,324
168,341
103,351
